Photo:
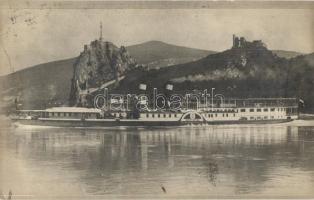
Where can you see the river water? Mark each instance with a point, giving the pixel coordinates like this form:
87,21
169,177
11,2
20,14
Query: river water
230,161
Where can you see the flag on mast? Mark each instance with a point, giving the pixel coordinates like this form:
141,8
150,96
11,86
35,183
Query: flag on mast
142,86
301,103
169,87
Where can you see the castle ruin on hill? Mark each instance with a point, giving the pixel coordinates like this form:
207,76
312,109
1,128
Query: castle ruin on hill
240,42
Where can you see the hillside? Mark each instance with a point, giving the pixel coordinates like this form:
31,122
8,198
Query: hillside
39,86
286,54
49,84
247,71
221,70
309,59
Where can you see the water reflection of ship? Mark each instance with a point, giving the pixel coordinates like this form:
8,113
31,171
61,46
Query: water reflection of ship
248,135
245,154
201,137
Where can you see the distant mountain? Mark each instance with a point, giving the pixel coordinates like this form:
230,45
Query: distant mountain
286,54
49,84
158,54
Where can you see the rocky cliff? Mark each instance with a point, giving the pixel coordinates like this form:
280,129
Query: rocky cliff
100,62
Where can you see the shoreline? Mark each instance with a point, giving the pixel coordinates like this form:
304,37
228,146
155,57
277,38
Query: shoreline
306,116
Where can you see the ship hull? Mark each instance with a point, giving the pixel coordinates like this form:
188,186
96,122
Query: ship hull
119,123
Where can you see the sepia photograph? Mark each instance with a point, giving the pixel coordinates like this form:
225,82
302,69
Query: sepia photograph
156,100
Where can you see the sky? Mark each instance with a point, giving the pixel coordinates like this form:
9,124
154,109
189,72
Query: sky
33,36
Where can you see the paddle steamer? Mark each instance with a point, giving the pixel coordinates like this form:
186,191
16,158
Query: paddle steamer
274,110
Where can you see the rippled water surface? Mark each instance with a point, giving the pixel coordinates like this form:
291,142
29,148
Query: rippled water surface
192,162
